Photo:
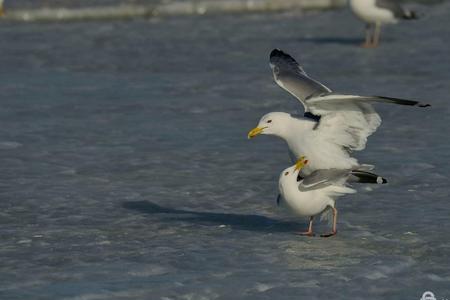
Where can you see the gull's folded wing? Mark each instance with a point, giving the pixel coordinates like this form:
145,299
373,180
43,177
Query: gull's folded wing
289,75
323,178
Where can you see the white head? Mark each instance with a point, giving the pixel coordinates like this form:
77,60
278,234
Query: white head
274,123
290,174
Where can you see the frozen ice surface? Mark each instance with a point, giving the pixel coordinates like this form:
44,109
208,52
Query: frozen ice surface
126,172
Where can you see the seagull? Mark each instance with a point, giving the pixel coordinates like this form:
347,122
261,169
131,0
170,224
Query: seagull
376,13
332,126
315,194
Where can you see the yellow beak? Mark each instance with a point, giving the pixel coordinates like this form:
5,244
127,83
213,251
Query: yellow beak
255,131
300,163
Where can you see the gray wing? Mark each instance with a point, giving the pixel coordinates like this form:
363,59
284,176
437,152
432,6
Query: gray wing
289,75
394,7
342,99
323,178
392,100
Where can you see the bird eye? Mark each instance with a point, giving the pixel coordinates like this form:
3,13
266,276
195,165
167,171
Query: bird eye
286,174
270,121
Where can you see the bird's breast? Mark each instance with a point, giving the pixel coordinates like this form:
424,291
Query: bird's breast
308,203
367,11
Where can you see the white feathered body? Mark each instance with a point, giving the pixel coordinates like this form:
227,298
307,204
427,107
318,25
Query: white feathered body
326,144
368,12
321,151
310,203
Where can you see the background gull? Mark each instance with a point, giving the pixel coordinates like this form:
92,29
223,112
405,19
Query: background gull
376,13
333,124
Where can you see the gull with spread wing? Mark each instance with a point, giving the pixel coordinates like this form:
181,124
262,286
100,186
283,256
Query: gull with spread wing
333,124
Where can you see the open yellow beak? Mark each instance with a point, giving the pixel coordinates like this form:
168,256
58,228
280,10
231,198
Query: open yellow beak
300,163
255,131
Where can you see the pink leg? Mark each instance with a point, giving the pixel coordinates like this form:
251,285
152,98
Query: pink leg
310,231
334,231
369,33
376,35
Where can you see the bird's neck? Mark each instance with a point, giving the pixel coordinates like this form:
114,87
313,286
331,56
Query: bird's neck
291,184
296,128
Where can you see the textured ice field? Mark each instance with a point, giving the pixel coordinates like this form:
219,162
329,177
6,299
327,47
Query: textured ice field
126,172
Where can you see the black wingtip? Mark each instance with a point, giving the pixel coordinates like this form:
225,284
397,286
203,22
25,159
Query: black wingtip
381,180
276,52
403,101
368,177
278,55
423,105
411,15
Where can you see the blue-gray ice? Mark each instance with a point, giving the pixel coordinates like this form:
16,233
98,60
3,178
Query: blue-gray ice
126,172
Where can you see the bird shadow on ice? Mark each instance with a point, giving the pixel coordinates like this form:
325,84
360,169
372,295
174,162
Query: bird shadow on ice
237,221
332,40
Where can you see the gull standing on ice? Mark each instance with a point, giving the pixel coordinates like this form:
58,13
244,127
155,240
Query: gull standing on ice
333,124
376,13
315,194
